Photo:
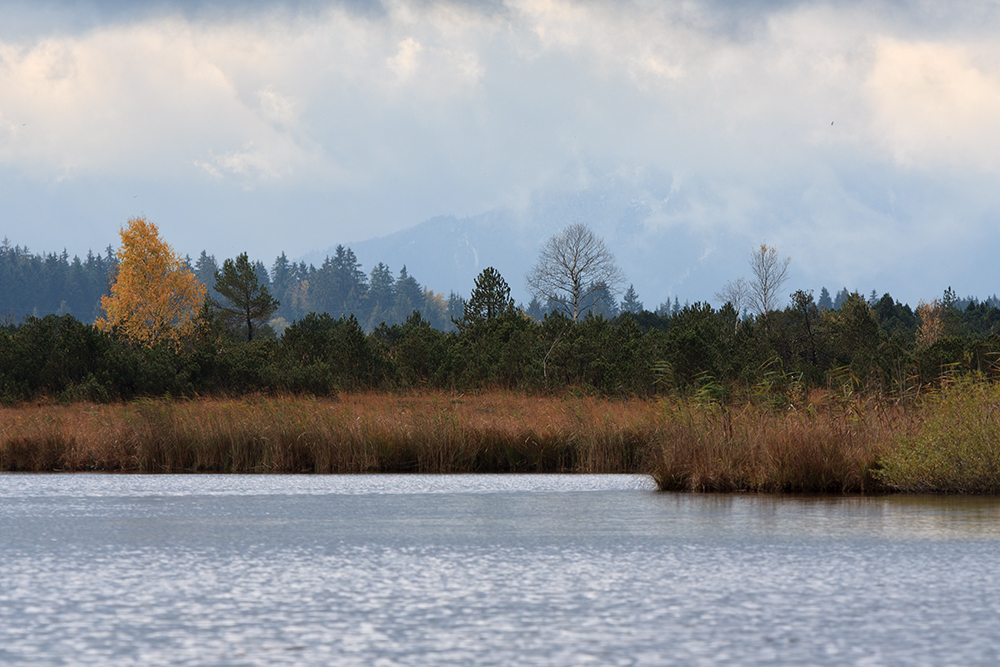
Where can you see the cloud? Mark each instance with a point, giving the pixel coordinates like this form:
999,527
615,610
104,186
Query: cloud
935,105
750,119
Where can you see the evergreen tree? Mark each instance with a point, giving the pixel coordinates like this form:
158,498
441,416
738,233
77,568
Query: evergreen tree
630,302
245,301
409,296
283,279
381,296
490,299
456,307
205,268
535,310
841,297
602,302
825,302
339,285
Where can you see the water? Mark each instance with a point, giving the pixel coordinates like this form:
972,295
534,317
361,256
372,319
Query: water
490,570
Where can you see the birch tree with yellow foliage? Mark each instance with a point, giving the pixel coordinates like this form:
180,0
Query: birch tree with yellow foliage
155,297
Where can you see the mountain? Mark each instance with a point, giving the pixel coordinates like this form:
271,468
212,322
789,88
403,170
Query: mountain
647,228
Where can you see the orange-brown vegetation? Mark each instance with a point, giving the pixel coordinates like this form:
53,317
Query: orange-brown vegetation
357,433
946,441
822,446
154,296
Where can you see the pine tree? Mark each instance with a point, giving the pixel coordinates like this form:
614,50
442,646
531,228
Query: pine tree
490,299
630,302
245,301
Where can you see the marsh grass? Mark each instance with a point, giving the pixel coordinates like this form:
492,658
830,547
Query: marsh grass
429,433
957,447
821,443
815,448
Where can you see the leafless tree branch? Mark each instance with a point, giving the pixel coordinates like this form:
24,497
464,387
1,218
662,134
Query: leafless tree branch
572,266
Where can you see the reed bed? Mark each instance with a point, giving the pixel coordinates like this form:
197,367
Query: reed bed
361,433
948,442
821,447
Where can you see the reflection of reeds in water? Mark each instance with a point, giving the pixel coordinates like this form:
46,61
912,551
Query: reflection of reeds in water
434,432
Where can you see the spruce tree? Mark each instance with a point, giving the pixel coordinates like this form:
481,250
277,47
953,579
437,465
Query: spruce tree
631,303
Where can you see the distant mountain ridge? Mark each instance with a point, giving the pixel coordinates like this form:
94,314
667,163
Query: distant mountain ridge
662,259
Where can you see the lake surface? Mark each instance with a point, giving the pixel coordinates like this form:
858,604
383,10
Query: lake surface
488,570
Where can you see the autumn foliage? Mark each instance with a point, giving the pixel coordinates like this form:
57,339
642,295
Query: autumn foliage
155,297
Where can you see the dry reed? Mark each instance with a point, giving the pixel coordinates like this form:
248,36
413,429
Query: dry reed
430,433
820,447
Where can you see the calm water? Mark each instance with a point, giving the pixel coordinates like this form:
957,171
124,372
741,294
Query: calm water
449,570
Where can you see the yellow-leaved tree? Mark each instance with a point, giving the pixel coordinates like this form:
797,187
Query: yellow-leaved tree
154,297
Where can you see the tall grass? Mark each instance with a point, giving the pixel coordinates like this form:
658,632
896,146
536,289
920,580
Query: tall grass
957,447
949,442
815,448
431,433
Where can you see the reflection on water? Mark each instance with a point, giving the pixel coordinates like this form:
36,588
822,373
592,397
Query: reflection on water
408,570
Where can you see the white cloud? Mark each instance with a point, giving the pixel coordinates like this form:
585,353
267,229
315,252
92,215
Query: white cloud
404,63
430,108
278,108
934,105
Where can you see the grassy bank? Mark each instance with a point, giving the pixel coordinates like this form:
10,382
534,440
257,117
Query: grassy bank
429,433
947,442
819,447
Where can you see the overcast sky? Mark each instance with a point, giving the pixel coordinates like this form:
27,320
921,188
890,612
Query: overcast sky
861,138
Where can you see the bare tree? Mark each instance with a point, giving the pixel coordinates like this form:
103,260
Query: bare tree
737,293
769,273
573,266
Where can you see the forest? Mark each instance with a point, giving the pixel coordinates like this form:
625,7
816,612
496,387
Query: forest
321,339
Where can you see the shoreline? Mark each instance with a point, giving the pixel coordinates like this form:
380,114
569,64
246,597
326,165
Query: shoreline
948,443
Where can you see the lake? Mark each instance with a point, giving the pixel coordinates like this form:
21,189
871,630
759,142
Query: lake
487,570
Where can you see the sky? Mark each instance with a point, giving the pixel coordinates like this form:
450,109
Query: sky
862,139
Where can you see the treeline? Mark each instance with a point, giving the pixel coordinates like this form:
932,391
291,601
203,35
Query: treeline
341,287
52,284
37,285
882,348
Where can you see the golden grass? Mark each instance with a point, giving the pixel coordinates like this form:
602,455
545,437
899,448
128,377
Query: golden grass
820,447
948,443
357,433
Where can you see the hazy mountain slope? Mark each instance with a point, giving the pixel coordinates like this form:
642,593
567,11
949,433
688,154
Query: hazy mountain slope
644,227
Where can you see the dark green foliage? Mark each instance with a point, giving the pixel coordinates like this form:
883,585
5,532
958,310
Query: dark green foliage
244,301
490,299
825,302
52,284
630,302
319,355
418,352
861,344
894,318
339,286
696,344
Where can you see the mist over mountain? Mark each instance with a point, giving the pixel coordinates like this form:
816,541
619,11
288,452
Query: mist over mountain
643,226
